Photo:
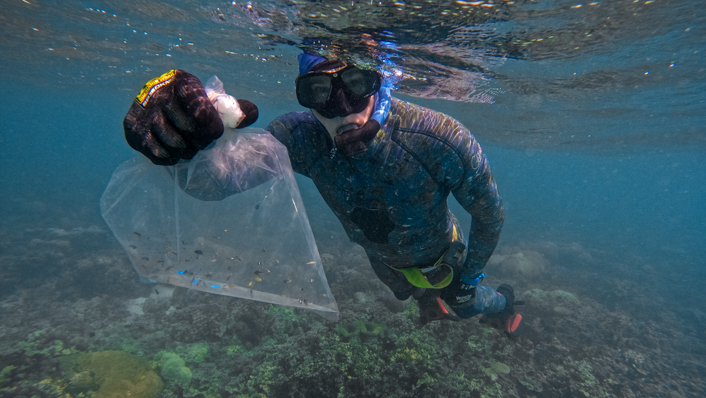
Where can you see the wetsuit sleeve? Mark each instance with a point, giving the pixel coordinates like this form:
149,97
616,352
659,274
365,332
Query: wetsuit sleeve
477,192
288,130
227,169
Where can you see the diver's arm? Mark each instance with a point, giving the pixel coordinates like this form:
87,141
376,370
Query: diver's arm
291,130
232,166
477,192
235,164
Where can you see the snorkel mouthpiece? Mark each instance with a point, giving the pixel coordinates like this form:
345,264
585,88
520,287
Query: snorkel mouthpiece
352,141
346,127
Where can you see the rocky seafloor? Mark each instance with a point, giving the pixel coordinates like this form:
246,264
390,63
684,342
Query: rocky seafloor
76,322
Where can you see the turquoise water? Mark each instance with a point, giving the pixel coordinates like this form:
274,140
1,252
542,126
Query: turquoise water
592,116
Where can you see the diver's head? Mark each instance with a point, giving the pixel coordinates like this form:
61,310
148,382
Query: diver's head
341,95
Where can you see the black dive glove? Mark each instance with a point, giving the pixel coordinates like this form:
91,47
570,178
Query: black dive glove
172,118
461,289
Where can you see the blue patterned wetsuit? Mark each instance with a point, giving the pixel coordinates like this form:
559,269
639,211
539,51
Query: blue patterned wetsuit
392,199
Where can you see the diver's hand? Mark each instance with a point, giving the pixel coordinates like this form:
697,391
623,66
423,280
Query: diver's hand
461,289
172,118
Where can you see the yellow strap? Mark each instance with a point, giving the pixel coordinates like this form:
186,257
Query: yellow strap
416,278
152,86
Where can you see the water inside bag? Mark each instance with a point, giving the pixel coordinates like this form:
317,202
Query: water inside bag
255,244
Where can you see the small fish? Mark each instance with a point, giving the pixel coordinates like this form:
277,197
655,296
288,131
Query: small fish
214,286
238,258
287,280
199,252
258,279
138,235
133,247
250,284
156,291
228,286
258,272
311,262
229,275
195,282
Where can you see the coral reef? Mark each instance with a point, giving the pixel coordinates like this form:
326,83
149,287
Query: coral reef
528,264
112,374
361,330
83,301
495,369
173,368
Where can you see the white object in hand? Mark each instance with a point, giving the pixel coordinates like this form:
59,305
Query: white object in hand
226,105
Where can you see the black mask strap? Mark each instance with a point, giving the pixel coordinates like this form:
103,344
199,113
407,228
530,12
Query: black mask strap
352,142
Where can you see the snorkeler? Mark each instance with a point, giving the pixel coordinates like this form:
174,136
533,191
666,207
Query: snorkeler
385,167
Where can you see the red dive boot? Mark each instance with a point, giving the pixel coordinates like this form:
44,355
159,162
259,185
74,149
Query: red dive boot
506,320
433,308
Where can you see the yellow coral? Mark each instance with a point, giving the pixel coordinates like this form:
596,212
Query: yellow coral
115,374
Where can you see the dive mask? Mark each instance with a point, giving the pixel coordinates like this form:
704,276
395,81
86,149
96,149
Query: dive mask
339,91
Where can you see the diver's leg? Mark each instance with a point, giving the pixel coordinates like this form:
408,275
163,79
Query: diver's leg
497,307
395,280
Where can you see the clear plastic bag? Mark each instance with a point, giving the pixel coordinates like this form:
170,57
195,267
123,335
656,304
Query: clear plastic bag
245,241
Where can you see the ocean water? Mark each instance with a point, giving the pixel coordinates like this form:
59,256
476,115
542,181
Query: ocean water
593,118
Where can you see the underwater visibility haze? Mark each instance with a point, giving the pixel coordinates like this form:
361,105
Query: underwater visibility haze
593,119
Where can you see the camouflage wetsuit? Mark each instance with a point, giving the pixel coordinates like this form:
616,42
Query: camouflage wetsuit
392,199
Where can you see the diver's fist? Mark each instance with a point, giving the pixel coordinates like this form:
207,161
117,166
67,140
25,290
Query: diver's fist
172,118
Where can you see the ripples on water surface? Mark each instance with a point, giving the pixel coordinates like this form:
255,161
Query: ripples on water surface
553,66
